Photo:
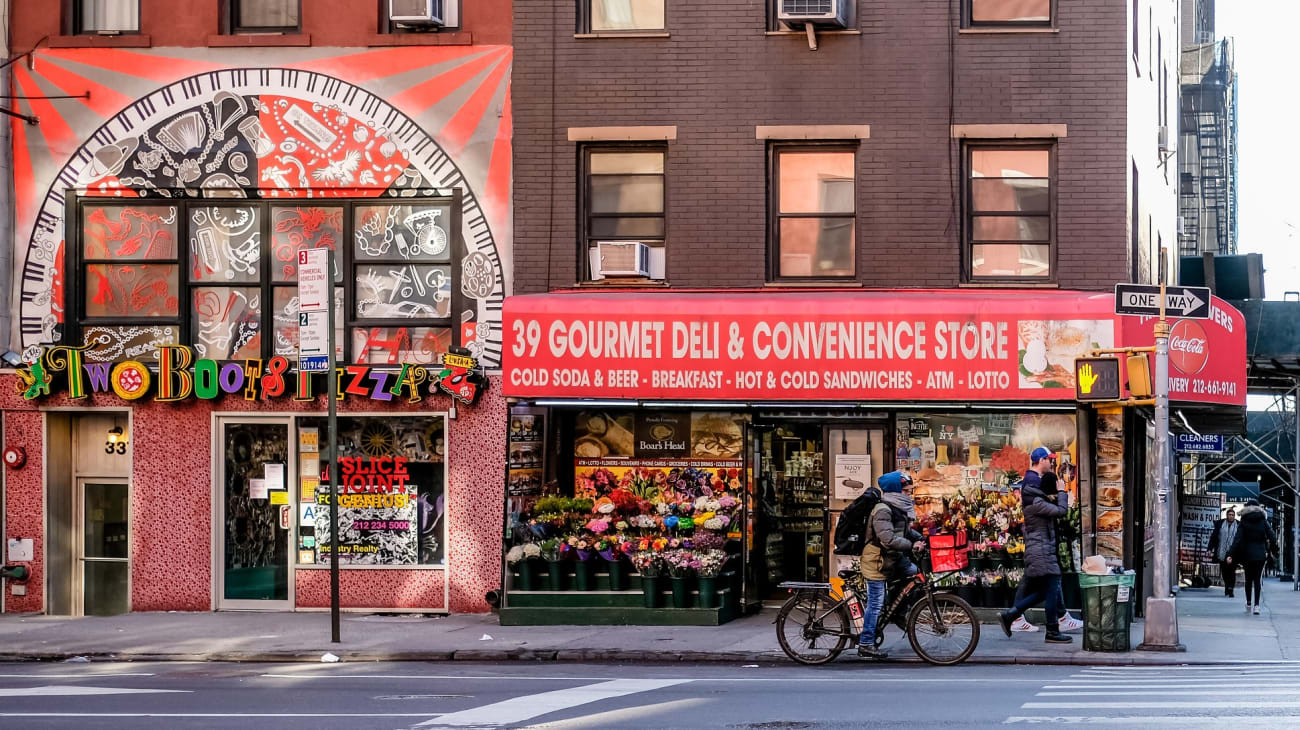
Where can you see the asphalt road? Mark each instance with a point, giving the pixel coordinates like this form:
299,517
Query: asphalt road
397,696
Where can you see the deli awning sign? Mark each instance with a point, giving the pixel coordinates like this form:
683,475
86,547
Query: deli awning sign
1209,443
752,346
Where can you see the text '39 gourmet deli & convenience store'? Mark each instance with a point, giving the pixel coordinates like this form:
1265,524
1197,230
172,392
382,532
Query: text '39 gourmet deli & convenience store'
791,403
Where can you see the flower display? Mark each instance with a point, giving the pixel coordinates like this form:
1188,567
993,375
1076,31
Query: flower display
515,554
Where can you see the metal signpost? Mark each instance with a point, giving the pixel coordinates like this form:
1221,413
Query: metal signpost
316,303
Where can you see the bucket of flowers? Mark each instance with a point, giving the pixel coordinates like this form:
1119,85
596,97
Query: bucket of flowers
553,554
710,566
682,567
649,563
967,588
584,570
611,552
523,559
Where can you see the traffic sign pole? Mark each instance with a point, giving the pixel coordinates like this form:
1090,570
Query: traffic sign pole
1161,624
332,376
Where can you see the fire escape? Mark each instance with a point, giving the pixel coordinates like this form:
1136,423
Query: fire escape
1207,164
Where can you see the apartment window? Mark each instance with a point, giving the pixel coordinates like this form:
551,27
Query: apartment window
621,16
265,16
447,11
222,276
813,212
1009,203
1009,12
1135,40
106,16
623,200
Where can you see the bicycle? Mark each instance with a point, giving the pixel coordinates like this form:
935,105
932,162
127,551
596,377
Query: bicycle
932,619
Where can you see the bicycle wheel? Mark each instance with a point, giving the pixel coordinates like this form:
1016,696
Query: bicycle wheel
945,635
811,628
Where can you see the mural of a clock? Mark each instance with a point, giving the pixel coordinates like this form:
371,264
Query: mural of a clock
288,133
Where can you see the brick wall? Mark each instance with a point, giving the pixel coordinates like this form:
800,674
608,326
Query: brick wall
718,75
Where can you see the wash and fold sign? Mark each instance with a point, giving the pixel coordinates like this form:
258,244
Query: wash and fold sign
936,345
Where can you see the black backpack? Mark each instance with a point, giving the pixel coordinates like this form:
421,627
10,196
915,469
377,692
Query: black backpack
851,531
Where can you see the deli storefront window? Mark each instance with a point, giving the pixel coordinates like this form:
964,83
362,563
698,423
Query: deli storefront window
967,468
392,491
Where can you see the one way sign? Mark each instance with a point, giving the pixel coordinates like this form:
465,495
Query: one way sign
1184,302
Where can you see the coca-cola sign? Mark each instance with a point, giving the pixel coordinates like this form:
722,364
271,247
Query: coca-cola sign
1188,347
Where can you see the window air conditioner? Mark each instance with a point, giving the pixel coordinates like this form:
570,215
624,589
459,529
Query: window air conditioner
416,12
623,258
820,13
1166,145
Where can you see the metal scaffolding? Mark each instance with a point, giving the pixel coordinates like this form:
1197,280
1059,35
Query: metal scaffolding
1207,153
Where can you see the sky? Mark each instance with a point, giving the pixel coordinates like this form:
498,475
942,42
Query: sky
1268,204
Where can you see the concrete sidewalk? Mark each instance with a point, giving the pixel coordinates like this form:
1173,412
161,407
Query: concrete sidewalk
1214,628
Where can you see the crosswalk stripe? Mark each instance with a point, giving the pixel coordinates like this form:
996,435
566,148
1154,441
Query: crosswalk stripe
1159,685
1241,692
1269,721
1254,704
518,709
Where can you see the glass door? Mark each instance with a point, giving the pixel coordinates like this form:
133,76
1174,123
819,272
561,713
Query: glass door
105,547
256,513
857,458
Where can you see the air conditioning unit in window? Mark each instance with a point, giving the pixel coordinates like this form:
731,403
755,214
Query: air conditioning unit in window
820,13
623,258
416,12
1164,142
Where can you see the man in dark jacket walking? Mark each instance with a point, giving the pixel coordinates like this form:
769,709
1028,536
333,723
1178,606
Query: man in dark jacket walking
1252,549
1222,537
1042,505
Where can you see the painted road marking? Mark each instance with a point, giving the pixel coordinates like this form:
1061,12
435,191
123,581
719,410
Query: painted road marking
1253,705
863,679
215,714
1242,692
1146,720
519,709
83,675
71,691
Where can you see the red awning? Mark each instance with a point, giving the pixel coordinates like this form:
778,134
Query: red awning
766,346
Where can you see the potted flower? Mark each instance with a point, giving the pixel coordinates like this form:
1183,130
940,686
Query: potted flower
967,588
991,589
1016,551
710,566
682,566
523,558
610,551
978,556
650,565
997,555
552,553
584,570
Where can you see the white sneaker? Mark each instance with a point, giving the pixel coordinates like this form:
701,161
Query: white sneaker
1021,624
1256,609
1070,623
1247,608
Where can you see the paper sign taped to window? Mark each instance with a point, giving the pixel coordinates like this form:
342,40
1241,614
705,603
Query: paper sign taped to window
280,497
274,475
257,489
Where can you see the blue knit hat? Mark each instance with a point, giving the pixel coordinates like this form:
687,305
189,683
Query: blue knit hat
892,482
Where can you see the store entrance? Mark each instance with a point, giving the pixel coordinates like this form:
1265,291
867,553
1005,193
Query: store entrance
807,473
255,513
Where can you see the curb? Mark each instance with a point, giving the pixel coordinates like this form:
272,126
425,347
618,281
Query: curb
598,656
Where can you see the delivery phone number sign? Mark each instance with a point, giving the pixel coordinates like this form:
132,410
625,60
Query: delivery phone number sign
935,346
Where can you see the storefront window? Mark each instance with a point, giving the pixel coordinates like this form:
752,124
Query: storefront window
967,468
392,491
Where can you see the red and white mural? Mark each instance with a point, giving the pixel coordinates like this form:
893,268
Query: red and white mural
381,123
305,125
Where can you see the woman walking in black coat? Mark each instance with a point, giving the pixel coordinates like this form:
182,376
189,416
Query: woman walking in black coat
1253,548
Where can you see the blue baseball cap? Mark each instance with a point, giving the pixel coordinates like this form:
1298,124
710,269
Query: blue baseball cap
1041,453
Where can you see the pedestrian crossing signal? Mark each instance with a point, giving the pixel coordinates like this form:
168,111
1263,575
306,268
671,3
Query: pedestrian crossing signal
1096,379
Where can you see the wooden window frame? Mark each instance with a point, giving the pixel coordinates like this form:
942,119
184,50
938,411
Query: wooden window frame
774,214
231,22
968,213
73,24
586,238
75,263
968,21
584,15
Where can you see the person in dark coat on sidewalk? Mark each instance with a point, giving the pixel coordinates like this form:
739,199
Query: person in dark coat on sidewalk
1222,537
1252,549
1043,505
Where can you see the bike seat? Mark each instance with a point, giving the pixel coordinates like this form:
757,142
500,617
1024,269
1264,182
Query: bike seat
846,574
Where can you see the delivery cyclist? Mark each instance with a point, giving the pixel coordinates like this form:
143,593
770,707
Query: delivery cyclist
889,540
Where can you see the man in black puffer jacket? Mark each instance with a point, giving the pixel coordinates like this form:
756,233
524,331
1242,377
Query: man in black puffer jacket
1253,548
1043,505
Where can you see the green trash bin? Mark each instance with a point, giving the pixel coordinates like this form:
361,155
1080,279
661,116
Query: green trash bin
1107,611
